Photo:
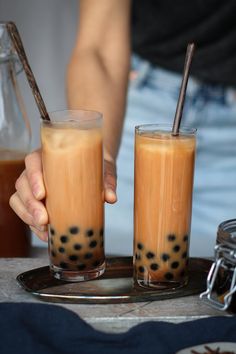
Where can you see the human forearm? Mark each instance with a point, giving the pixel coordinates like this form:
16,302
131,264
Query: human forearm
97,74
98,83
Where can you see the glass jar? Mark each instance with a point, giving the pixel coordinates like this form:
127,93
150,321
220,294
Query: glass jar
221,280
15,137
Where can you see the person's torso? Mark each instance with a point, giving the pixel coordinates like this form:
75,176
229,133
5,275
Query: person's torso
161,30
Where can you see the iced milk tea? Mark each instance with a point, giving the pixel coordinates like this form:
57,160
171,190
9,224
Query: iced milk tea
72,156
164,168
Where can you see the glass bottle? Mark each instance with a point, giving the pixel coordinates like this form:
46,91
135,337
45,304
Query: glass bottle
221,280
15,137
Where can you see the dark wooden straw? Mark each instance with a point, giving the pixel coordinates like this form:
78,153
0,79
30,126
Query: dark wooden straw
17,42
180,104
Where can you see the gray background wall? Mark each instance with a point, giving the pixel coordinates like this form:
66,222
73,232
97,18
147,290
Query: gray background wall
47,28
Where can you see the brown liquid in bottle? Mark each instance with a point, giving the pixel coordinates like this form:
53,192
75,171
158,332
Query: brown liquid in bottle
14,234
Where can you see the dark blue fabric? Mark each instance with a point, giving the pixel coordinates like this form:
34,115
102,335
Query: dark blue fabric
27,328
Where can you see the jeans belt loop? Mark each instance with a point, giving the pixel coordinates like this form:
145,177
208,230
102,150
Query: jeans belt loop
142,74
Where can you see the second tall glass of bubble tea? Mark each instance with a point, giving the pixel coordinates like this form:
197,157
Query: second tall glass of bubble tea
164,171
72,157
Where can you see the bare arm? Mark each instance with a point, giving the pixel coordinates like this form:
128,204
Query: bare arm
97,74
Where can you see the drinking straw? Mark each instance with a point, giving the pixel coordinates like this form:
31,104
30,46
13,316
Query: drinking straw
17,42
180,103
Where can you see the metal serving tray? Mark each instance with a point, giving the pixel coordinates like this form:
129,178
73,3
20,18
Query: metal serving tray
114,286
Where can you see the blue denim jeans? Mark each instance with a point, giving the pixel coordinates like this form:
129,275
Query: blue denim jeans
152,98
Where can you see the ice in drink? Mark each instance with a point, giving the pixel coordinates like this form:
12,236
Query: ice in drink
164,169
72,156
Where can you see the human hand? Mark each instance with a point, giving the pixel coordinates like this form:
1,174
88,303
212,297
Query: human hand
110,181
28,200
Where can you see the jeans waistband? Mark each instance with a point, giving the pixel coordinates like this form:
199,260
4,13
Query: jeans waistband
165,79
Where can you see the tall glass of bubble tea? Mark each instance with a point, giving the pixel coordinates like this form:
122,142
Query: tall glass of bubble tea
72,158
164,171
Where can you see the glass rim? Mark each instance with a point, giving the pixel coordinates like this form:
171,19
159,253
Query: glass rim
8,51
226,233
224,225
163,127
70,113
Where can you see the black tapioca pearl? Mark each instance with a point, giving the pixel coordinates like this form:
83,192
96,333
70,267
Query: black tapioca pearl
169,276
89,233
93,244
138,256
185,238
51,241
61,249
77,246
176,248
182,274
88,255
165,257
96,263
150,255
102,244
141,269
52,231
154,266
53,253
140,246
73,257
81,266
101,232
63,265
174,265
74,230
64,239
184,255
171,237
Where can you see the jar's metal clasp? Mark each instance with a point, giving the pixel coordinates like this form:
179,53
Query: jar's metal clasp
225,257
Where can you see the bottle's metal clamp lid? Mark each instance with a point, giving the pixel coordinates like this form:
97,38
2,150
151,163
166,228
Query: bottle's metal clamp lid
225,259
